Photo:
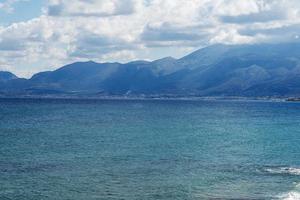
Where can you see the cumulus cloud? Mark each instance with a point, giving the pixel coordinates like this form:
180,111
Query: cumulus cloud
283,33
91,45
261,12
90,8
167,32
122,30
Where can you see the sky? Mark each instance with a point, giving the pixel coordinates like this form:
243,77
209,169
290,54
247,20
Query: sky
43,35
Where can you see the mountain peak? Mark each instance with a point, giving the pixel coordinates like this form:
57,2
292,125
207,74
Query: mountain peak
166,59
6,76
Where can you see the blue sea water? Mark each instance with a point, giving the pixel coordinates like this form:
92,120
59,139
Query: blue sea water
144,150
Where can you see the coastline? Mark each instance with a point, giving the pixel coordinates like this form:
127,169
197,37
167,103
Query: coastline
152,97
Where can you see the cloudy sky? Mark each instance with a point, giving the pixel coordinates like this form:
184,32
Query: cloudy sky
39,35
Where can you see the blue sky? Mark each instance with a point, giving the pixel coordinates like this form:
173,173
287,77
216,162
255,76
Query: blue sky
17,11
41,35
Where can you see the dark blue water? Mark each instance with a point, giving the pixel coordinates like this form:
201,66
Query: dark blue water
132,150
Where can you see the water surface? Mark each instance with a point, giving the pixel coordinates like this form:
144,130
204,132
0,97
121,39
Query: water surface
132,150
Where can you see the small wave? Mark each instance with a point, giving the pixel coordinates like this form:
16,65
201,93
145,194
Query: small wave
292,195
284,170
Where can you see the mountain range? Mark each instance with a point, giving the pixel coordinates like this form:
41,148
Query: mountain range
257,70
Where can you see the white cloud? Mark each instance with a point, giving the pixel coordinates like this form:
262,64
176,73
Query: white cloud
122,30
89,8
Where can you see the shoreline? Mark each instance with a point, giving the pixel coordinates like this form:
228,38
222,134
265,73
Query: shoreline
153,98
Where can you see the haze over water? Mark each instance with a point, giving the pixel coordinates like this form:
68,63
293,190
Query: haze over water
97,149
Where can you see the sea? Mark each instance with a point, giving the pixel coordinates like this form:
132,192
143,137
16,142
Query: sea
93,149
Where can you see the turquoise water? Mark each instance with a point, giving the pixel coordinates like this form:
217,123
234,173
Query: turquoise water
133,150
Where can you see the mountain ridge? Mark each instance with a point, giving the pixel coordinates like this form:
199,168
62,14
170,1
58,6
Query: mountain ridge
254,70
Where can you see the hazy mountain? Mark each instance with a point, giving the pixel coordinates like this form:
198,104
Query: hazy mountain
218,70
6,76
